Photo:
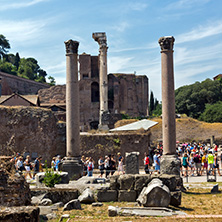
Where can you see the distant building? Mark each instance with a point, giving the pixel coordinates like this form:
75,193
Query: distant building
127,93
18,100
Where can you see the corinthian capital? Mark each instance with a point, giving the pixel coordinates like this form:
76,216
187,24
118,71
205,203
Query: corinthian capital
166,43
100,37
71,46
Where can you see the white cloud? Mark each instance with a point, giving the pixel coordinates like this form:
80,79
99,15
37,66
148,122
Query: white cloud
118,64
22,31
185,4
201,32
121,27
21,4
137,6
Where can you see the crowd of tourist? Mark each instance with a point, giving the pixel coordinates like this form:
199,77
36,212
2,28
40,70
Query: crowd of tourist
199,159
107,165
31,168
196,159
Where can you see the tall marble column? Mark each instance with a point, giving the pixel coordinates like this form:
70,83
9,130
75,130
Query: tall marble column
169,161
100,37
72,162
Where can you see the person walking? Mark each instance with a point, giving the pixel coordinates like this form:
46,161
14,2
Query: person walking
101,166
156,162
146,163
36,166
210,160
120,164
185,164
204,162
216,164
28,165
90,167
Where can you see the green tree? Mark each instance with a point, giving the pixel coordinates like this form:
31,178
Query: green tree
4,46
151,103
17,60
52,81
191,99
212,113
7,67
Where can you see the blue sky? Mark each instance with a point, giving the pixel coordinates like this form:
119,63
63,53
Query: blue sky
38,28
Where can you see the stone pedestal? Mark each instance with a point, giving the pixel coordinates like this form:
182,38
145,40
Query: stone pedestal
73,166
100,37
169,163
72,163
132,163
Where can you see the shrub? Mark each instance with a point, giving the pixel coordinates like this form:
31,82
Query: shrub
51,178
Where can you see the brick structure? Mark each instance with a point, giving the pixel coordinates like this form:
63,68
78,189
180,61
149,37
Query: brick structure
127,93
10,84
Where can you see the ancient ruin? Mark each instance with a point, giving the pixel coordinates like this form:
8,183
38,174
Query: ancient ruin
100,37
170,163
72,162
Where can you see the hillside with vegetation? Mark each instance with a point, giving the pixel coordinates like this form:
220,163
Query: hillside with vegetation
187,129
27,68
201,100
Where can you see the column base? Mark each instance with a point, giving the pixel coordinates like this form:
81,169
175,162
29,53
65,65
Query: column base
73,166
103,127
170,164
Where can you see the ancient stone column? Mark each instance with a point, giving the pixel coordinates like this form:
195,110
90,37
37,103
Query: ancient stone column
100,37
72,162
169,160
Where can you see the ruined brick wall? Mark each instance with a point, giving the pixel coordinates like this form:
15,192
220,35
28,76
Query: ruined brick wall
11,84
14,190
31,129
96,145
129,94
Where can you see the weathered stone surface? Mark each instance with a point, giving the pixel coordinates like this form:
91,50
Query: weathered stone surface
87,196
175,199
112,211
14,189
97,204
19,214
140,182
59,204
168,180
132,163
126,182
51,216
145,211
64,178
106,195
29,128
56,194
113,182
155,195
35,200
64,216
72,205
44,210
45,202
170,164
128,196
215,189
